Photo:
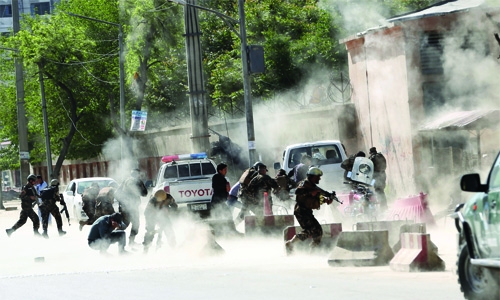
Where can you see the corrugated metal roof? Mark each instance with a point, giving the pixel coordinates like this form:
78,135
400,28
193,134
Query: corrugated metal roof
439,9
464,120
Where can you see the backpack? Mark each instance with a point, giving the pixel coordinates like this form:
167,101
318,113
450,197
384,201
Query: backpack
247,176
48,193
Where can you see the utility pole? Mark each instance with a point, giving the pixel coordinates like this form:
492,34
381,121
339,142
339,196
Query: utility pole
246,84
22,129
45,122
196,83
242,34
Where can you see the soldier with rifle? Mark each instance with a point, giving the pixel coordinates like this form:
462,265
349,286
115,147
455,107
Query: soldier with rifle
28,197
50,195
309,196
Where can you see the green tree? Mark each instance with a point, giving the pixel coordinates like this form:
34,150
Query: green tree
155,57
79,63
298,38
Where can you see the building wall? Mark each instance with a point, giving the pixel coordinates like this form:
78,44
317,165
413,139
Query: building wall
378,73
272,134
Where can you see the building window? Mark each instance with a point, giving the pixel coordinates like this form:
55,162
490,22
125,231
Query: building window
433,96
5,11
431,51
42,8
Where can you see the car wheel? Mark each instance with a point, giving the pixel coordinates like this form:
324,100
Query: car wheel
475,282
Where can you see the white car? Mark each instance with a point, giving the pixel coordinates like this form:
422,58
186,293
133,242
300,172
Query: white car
73,195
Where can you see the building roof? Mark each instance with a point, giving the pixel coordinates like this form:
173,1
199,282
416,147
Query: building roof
439,9
464,120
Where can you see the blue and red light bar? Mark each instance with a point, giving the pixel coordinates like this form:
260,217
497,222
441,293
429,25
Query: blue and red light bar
176,157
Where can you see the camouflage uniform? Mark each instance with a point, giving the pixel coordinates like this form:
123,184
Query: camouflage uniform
254,199
244,194
88,203
285,183
28,196
133,189
104,202
379,166
157,213
303,211
49,207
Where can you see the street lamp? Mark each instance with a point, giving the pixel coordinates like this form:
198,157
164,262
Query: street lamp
245,70
122,70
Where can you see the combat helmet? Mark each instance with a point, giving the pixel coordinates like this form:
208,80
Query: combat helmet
160,195
54,182
258,165
31,177
314,171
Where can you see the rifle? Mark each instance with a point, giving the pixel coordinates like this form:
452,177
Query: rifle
332,196
65,208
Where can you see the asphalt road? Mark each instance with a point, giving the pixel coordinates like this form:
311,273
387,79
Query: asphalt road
250,268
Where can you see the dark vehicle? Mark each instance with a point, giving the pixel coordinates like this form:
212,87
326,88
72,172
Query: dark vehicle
478,224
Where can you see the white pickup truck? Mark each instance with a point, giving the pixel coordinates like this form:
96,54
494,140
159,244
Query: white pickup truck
327,155
188,178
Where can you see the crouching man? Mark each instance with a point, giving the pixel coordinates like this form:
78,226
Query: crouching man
108,230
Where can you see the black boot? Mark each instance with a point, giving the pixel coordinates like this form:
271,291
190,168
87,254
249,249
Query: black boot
44,234
9,231
61,232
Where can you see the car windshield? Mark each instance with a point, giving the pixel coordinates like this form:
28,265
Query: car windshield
320,154
85,184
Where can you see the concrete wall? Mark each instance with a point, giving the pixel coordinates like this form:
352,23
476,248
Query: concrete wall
273,132
377,69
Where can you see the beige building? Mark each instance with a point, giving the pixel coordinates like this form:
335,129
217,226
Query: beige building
426,94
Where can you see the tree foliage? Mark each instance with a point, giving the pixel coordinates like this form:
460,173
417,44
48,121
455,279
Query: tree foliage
79,61
298,38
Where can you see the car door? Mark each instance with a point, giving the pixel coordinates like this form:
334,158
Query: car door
69,196
491,210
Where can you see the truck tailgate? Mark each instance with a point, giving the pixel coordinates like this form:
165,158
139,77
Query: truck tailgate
191,191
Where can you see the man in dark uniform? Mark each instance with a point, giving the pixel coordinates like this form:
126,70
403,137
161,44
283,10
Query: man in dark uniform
255,192
28,196
221,189
89,196
49,207
133,189
308,197
379,166
104,201
348,163
285,184
107,230
243,193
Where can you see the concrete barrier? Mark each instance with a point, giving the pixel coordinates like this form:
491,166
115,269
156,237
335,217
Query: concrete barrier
267,224
416,254
413,208
395,228
211,247
331,233
362,248
412,228
222,227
